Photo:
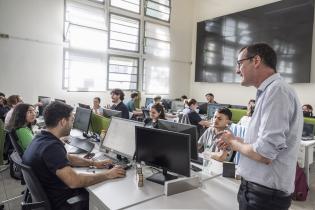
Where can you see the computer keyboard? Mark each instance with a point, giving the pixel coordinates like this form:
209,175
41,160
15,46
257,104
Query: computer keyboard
123,164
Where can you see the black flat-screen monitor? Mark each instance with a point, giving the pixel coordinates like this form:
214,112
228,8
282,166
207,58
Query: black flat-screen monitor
183,128
287,26
308,130
110,113
60,100
163,149
84,106
148,101
82,119
44,100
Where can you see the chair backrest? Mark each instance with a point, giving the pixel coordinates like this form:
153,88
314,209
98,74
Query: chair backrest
185,119
14,139
146,113
33,185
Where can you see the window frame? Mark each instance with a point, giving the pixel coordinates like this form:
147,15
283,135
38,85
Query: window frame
125,10
145,11
123,56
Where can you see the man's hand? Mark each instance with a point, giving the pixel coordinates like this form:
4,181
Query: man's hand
116,172
224,140
102,163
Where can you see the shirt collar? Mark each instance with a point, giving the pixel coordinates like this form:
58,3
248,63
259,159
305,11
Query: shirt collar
268,81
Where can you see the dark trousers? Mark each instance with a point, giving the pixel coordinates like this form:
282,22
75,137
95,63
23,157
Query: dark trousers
256,197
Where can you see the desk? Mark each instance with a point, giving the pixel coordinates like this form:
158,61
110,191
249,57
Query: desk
305,157
216,194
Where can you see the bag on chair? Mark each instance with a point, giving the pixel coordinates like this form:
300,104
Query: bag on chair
301,188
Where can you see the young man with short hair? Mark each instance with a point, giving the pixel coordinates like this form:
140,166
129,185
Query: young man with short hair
118,96
48,158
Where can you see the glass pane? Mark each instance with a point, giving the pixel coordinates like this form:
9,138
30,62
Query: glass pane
156,77
87,38
131,5
157,14
122,85
158,7
157,31
86,73
122,77
157,48
165,2
124,33
85,15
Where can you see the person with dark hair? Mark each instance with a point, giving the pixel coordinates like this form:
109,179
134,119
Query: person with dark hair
210,98
206,143
156,113
22,119
156,100
245,120
307,110
4,108
194,117
183,98
118,96
12,100
48,158
269,151
97,109
131,104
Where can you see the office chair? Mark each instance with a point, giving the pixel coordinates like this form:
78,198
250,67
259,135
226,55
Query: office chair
38,195
146,113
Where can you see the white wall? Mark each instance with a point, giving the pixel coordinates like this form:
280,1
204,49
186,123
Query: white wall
234,93
31,60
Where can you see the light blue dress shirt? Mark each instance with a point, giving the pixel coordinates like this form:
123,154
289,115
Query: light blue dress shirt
274,132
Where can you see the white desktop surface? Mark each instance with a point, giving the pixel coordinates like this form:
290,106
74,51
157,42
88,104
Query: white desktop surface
216,194
122,192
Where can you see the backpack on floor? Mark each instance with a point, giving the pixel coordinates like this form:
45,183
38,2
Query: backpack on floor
301,188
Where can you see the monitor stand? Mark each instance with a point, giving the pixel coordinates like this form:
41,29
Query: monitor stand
160,178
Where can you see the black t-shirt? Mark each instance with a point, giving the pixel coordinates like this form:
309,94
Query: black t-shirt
123,108
3,111
45,155
194,118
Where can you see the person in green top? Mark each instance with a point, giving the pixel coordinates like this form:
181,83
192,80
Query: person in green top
22,120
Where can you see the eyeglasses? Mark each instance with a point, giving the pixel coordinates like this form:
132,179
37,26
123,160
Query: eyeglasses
239,62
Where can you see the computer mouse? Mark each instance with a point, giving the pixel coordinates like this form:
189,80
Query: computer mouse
109,166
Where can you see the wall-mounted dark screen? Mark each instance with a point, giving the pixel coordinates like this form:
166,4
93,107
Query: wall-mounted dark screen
286,25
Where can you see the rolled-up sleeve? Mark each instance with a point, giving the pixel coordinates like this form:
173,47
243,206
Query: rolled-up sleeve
273,130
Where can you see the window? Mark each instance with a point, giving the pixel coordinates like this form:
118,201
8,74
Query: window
157,40
124,33
159,9
84,72
102,45
156,77
130,5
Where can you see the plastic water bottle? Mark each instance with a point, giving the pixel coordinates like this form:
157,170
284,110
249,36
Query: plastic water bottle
206,166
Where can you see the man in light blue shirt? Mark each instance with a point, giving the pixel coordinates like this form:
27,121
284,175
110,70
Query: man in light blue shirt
270,148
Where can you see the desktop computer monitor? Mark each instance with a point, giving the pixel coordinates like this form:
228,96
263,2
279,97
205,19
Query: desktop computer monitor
167,103
211,108
45,101
183,128
308,131
163,149
120,137
111,113
202,106
177,106
82,119
84,106
60,100
148,101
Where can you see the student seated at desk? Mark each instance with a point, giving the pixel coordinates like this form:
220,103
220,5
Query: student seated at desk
206,144
245,120
23,117
186,109
97,109
13,100
194,117
118,96
131,105
48,158
156,100
156,113
4,108
307,110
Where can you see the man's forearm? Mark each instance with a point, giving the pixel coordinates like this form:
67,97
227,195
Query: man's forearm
78,161
86,180
247,150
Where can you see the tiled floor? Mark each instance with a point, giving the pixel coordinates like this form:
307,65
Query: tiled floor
10,188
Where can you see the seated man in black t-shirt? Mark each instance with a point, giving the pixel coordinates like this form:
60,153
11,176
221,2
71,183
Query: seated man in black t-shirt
194,117
47,156
117,96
